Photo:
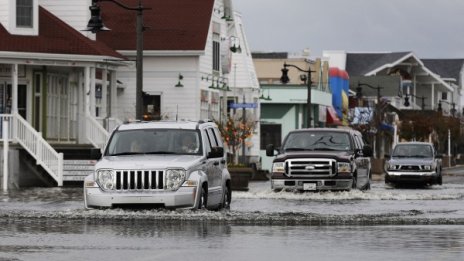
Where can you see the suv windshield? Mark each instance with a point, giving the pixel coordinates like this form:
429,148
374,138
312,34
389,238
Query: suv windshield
323,140
412,151
154,141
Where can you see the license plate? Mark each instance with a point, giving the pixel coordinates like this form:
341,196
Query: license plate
309,186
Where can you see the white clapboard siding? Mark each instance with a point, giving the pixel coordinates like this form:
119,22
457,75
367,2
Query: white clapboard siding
77,170
74,13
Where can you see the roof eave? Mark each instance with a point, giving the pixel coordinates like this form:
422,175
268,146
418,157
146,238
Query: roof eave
59,57
163,53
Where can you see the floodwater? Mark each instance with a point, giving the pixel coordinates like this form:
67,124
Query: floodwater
144,240
381,224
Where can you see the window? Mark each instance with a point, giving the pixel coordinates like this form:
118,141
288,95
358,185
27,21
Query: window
216,53
444,96
24,13
271,134
151,107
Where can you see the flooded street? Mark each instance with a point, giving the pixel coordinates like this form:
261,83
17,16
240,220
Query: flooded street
381,224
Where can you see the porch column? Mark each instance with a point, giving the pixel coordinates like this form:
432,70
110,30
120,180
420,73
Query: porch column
14,88
104,112
87,89
113,95
92,91
432,102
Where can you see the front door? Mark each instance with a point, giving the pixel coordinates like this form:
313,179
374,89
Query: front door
61,107
5,99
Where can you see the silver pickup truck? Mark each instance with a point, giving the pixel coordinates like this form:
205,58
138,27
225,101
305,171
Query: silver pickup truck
413,162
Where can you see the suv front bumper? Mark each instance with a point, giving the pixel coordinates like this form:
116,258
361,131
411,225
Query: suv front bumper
183,197
406,177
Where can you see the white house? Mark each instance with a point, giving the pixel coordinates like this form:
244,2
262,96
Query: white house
70,87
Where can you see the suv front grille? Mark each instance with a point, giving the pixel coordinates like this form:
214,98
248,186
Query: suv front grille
139,180
310,167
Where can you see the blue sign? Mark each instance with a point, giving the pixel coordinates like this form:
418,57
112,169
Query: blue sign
243,105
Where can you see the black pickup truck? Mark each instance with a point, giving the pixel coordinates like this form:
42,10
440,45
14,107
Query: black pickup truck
321,159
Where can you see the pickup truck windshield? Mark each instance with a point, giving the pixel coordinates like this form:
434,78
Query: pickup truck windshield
320,141
413,151
154,141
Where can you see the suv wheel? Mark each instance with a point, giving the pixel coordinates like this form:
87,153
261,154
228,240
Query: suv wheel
227,198
203,199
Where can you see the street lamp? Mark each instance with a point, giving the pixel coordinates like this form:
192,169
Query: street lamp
95,25
285,79
406,100
452,110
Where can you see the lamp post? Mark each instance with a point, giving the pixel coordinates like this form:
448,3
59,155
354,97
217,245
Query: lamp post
95,25
285,79
406,100
452,110
378,114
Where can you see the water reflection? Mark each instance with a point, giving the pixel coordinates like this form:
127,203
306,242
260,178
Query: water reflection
177,240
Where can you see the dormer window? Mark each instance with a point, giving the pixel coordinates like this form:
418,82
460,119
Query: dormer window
24,13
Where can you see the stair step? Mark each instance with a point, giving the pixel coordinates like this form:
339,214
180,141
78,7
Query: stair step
77,170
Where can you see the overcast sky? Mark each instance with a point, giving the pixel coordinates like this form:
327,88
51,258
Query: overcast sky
429,28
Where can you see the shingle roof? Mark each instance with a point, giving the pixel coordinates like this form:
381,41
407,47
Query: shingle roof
171,25
55,37
446,68
363,63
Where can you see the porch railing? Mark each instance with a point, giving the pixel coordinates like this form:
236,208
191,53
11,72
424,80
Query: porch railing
96,134
24,134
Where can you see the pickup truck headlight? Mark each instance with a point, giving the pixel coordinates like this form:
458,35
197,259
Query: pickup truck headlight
174,178
344,167
105,179
427,167
278,167
392,166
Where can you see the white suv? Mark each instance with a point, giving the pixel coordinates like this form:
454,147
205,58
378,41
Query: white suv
164,164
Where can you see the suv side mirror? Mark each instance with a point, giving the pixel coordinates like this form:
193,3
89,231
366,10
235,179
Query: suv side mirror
270,151
216,152
367,151
95,153
439,156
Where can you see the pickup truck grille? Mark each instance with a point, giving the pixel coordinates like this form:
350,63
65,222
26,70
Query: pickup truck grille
139,180
410,168
310,167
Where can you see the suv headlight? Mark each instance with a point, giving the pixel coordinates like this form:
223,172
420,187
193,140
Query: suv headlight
105,179
344,167
278,167
174,178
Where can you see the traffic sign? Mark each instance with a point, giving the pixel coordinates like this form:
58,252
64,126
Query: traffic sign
243,105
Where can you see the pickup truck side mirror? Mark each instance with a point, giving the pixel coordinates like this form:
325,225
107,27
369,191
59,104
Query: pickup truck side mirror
386,156
439,156
216,152
367,151
270,150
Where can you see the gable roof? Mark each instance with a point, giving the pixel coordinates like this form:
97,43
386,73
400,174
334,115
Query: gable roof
363,63
171,25
55,37
445,68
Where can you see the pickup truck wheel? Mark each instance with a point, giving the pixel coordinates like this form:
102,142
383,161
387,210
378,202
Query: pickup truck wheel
440,180
355,182
203,199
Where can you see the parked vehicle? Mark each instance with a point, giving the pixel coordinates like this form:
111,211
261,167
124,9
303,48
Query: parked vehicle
321,159
414,162
166,164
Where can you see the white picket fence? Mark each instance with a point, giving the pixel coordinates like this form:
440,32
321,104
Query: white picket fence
21,132
96,134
